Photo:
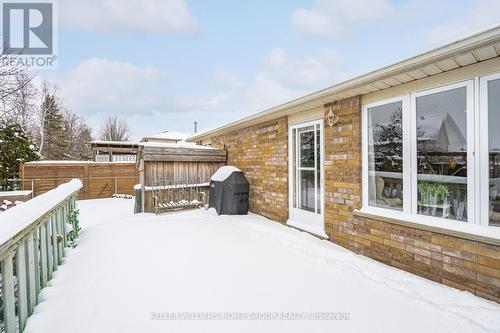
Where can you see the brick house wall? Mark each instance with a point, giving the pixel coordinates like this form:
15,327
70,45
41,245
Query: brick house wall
471,265
342,169
261,151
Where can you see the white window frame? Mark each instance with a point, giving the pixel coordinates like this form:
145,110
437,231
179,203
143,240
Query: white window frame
483,151
406,170
469,85
477,164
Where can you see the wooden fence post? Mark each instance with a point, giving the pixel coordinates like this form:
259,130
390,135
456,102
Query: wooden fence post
43,253
54,242
50,252
59,219
32,284
22,288
9,300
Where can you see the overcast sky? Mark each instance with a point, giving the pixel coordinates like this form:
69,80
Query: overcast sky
163,64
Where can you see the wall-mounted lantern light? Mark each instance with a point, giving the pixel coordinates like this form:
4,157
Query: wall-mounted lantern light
331,118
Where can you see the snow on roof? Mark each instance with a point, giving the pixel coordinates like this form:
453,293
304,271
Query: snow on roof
169,135
432,125
123,143
180,144
58,162
14,193
19,217
223,173
71,162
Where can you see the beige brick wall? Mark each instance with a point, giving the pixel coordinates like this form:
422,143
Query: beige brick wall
261,152
460,263
342,169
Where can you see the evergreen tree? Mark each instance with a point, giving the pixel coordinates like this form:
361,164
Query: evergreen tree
388,145
15,147
54,143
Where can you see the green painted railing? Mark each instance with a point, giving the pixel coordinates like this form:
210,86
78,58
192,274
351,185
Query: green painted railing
33,241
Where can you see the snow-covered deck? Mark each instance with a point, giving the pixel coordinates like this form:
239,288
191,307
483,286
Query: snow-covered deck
129,271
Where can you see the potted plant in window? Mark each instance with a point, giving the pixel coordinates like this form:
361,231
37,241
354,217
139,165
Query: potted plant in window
433,196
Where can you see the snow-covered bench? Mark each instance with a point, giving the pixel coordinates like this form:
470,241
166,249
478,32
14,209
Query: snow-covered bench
169,195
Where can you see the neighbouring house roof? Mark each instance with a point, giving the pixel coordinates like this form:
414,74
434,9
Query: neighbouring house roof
113,143
166,136
113,147
444,130
180,144
472,49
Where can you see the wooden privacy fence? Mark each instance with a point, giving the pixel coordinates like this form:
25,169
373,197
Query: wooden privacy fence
33,238
100,180
194,174
185,166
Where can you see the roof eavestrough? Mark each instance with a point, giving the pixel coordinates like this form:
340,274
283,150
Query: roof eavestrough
472,49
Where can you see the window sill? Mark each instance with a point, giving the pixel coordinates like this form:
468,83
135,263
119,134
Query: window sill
483,234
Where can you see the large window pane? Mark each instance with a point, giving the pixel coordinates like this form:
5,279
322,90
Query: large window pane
494,151
385,156
442,154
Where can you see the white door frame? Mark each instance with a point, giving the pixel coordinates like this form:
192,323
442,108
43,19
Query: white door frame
311,222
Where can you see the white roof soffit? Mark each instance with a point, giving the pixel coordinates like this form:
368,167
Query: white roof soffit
466,51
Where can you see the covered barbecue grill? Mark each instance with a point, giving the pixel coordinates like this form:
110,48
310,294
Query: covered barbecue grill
229,191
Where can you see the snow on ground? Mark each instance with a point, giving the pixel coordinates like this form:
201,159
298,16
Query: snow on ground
130,269
97,211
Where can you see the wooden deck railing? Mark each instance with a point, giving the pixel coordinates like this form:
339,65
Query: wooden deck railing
33,241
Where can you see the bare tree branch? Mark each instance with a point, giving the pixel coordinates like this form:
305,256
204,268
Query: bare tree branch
9,72
114,129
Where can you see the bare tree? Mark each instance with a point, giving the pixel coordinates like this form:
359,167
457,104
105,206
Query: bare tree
114,129
57,132
16,90
79,135
9,69
23,102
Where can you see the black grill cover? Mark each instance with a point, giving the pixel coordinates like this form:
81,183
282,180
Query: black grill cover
230,197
